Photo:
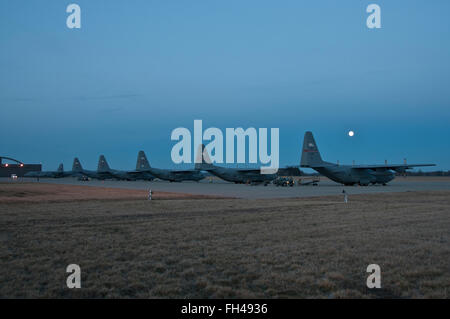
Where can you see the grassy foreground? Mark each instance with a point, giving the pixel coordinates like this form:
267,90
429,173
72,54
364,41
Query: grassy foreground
215,248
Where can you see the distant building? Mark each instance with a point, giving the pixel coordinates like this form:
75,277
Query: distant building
18,168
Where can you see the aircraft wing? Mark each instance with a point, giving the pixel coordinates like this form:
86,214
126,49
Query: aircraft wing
252,172
150,171
249,171
137,174
183,172
394,167
134,172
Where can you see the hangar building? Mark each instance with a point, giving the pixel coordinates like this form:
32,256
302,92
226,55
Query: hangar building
18,168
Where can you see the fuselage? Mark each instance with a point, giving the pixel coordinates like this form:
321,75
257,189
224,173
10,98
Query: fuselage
114,174
143,175
348,175
176,176
237,176
88,173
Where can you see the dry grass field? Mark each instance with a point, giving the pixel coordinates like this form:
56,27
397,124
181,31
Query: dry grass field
41,192
127,246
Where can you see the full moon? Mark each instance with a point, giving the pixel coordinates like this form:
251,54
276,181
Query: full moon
351,133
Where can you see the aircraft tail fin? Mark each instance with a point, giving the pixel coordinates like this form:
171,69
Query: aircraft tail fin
60,168
310,152
76,167
202,160
102,164
142,161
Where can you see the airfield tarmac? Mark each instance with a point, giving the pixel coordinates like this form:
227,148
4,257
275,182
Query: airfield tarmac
218,187
179,246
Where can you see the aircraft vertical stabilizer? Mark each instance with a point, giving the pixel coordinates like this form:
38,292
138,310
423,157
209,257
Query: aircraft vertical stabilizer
202,160
310,152
76,167
102,164
142,161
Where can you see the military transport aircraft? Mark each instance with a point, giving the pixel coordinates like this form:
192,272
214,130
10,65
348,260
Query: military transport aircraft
349,174
235,175
79,171
143,165
105,172
51,174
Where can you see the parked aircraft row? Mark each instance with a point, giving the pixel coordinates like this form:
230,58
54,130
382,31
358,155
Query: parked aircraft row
343,174
143,171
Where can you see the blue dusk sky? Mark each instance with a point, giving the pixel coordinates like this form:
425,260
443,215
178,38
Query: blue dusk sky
136,70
